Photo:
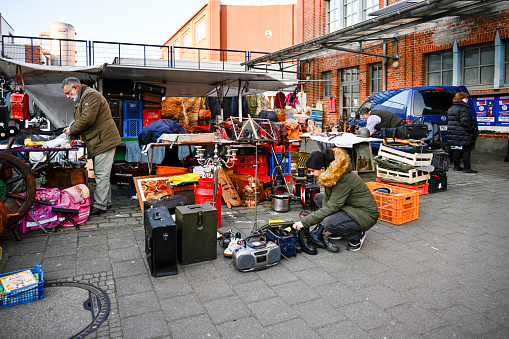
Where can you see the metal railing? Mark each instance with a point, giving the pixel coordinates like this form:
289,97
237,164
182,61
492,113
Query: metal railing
69,52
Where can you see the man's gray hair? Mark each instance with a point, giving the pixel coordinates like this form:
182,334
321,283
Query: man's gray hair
71,81
364,110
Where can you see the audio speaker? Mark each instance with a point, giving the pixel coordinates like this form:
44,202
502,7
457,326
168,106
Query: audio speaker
245,262
160,241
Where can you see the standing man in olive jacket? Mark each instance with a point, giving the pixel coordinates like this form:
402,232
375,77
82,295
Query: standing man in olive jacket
93,121
347,208
461,132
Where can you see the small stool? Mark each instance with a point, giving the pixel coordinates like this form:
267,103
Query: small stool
68,215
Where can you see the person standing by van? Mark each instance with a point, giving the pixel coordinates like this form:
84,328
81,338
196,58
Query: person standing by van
461,132
378,119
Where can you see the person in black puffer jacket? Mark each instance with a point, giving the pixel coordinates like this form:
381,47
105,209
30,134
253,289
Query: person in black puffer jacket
461,132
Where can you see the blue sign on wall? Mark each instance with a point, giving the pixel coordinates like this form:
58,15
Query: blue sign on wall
503,111
485,110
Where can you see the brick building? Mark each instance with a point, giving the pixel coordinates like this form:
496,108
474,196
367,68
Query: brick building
262,26
403,44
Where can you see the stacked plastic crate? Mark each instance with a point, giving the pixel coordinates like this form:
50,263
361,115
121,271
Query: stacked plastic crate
133,118
403,168
438,178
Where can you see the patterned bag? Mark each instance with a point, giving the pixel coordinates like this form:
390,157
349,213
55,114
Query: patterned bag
41,213
282,238
78,198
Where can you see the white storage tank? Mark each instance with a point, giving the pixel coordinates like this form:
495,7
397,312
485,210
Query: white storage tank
63,52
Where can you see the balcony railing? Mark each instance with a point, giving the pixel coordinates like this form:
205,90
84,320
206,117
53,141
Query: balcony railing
69,52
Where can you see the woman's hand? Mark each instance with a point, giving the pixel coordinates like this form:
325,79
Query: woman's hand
298,225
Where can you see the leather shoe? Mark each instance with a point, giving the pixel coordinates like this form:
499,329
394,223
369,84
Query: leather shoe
471,170
331,247
316,236
96,211
305,242
295,240
458,168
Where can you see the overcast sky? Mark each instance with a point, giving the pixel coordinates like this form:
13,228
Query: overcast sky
150,22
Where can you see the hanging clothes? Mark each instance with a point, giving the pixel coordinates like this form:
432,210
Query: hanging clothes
291,99
279,101
332,105
252,103
263,103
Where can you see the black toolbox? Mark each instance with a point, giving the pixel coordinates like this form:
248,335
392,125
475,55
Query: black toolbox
196,233
160,241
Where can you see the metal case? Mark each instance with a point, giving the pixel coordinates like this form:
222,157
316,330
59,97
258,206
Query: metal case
160,241
196,233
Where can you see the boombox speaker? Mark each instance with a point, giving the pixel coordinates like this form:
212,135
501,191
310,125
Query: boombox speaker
196,233
256,255
160,241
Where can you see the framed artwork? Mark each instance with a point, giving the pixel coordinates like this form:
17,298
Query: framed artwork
151,187
364,157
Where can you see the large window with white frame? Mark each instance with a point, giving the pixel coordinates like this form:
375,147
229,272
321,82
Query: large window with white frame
375,78
368,7
327,84
350,12
187,41
439,68
332,18
478,65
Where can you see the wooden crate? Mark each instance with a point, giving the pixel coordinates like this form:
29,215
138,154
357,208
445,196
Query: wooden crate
410,177
412,159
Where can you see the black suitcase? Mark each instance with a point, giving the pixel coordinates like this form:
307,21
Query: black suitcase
196,233
160,241
150,88
168,201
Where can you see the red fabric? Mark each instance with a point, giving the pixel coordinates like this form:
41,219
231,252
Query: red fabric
332,105
279,101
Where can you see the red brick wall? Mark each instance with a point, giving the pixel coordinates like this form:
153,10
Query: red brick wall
412,47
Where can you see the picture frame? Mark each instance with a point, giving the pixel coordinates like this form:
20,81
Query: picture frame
151,187
364,157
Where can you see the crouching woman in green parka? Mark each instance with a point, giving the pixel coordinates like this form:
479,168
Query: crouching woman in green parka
347,208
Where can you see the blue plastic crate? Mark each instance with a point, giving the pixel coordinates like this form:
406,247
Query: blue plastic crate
133,109
132,127
284,162
24,295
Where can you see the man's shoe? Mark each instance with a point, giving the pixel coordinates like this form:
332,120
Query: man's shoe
355,246
471,170
330,245
316,236
96,211
305,242
334,237
295,240
458,168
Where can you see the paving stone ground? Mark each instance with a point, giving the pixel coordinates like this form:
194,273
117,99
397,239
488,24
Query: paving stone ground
443,275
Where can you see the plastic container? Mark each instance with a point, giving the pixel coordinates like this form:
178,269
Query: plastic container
132,109
131,127
422,188
24,295
251,169
285,162
441,161
151,115
398,207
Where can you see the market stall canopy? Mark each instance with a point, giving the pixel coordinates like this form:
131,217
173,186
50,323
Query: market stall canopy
43,82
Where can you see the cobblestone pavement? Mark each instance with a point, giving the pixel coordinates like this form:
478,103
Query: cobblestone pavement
444,275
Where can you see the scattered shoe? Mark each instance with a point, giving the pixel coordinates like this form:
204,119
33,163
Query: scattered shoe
330,246
295,240
355,246
306,243
316,236
458,168
236,242
471,170
226,238
96,211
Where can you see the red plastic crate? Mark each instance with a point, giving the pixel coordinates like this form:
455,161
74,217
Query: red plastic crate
422,188
250,159
263,169
151,115
276,148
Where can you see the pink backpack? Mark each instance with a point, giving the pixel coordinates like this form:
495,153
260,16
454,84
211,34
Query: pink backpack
42,213
78,198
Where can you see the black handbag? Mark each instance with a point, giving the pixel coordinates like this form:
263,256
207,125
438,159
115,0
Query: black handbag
414,130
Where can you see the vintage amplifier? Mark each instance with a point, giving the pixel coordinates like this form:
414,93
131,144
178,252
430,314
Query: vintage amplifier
196,233
160,241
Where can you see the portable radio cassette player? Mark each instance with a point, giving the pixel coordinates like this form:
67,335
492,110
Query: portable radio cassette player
256,254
